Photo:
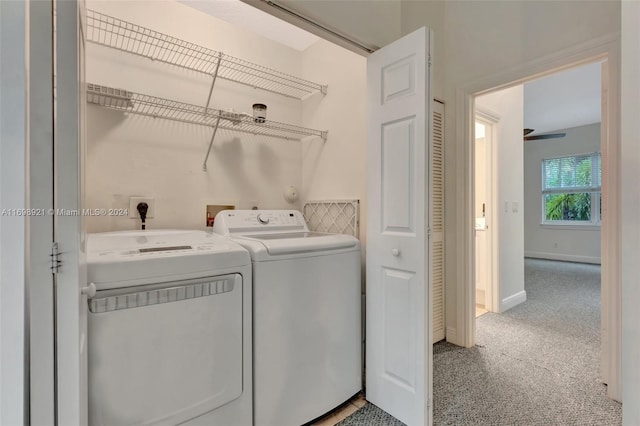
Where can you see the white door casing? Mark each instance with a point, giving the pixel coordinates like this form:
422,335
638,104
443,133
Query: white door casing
41,282
603,48
14,258
71,305
398,324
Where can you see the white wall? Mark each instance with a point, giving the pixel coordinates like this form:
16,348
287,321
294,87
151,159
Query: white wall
630,165
480,39
131,155
336,169
13,193
573,244
508,193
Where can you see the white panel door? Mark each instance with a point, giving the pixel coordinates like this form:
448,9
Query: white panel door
71,304
398,324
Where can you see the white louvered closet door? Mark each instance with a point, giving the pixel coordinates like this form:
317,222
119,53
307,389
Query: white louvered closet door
437,221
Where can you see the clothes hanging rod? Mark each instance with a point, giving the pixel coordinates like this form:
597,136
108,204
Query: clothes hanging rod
311,26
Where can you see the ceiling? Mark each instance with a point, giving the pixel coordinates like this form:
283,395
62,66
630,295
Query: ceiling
252,19
357,25
560,101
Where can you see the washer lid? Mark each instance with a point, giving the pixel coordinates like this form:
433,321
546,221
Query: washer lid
265,245
118,259
269,233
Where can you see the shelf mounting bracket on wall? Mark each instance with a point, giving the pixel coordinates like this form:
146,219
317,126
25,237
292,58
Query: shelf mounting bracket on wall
213,82
213,136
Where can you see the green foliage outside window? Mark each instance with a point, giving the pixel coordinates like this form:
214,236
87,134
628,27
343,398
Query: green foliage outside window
568,206
569,185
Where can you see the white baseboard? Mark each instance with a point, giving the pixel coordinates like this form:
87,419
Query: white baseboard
563,257
452,336
513,300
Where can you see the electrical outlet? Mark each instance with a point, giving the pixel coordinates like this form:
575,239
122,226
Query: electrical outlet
133,207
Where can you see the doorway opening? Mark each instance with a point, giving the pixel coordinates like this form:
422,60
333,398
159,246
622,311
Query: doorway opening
561,166
544,194
605,50
484,257
479,365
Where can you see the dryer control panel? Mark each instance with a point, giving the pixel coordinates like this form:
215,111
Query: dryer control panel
230,222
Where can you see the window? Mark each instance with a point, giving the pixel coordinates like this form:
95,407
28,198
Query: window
571,190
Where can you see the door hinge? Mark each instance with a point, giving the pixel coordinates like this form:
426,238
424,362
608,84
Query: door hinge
55,258
429,232
429,61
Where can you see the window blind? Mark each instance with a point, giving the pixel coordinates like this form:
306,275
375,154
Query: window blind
576,173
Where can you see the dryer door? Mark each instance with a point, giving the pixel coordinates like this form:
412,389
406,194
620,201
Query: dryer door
163,354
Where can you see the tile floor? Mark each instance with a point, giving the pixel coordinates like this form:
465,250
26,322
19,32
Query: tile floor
342,413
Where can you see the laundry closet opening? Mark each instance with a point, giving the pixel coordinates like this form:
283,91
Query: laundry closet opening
188,113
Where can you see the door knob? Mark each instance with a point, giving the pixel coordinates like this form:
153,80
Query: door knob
395,252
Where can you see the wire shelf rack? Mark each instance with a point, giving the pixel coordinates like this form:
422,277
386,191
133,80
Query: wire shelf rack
128,37
152,106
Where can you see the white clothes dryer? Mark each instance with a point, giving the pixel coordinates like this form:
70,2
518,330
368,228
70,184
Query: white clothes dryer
169,333
306,314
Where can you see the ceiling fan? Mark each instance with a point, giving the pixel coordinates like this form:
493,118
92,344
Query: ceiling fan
538,137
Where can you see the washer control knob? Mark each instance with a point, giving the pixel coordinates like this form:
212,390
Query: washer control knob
89,290
263,220
395,252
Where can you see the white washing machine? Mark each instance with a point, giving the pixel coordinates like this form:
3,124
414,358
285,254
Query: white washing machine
169,329
306,314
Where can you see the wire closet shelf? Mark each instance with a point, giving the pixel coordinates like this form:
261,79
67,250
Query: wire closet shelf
156,107
132,38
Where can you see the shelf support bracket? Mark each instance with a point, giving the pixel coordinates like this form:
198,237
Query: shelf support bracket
215,75
213,136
